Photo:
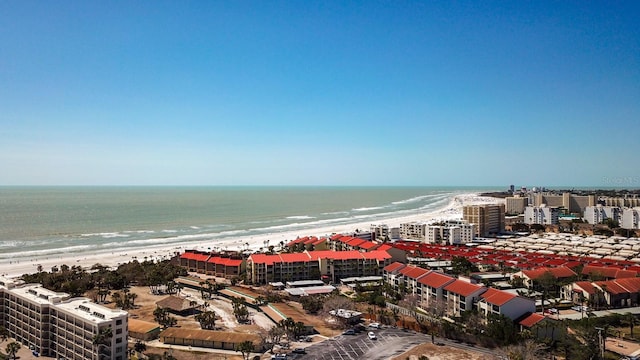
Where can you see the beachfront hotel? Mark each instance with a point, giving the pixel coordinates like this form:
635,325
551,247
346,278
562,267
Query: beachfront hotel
55,325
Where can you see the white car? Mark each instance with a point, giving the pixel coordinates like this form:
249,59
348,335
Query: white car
374,325
371,335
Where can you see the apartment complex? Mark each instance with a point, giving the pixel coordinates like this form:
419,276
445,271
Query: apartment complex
220,265
598,214
621,201
630,218
488,218
380,232
61,327
574,204
542,215
515,205
451,232
447,295
413,230
326,264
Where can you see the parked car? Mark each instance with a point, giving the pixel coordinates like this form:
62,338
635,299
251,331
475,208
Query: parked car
279,357
374,325
349,332
372,335
299,351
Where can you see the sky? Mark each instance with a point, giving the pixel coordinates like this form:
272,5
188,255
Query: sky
417,93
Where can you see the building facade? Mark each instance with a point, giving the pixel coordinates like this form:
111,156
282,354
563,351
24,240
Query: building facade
515,205
542,215
452,232
488,218
630,218
599,214
57,326
413,230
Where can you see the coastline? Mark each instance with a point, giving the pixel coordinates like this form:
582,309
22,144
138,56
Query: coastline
453,210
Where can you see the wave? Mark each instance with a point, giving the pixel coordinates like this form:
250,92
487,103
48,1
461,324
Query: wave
368,208
300,217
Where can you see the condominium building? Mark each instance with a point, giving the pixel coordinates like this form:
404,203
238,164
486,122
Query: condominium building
598,214
380,232
57,326
620,201
574,204
488,218
630,218
542,215
515,205
452,232
326,264
413,230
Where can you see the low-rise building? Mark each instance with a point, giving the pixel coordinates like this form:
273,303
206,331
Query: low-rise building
460,296
498,302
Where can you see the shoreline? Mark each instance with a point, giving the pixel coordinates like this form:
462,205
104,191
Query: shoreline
110,258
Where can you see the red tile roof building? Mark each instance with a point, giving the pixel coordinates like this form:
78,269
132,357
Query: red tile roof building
498,302
220,265
308,265
460,296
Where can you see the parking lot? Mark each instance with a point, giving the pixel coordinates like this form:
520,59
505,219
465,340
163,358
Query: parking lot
389,343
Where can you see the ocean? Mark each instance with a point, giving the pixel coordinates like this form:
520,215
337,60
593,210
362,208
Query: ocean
54,221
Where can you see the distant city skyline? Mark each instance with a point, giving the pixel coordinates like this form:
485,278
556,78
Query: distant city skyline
320,93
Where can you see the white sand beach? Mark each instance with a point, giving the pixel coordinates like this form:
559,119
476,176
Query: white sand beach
16,268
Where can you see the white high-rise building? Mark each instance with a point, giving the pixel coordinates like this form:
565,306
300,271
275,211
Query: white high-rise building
57,326
452,232
630,218
413,230
598,214
543,215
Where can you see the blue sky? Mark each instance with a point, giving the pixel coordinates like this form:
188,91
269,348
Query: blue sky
319,93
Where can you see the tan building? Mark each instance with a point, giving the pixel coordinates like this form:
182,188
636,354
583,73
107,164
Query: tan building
61,327
574,204
515,205
488,218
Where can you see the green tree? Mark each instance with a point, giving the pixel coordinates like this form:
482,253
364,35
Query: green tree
102,340
140,347
462,265
245,348
12,349
4,334
207,320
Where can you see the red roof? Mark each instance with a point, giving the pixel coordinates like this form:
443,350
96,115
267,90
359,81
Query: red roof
557,272
497,297
367,245
413,272
385,247
532,319
435,280
611,287
608,272
631,284
463,288
224,261
586,286
394,267
195,256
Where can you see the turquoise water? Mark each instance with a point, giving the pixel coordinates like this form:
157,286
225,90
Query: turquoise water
59,220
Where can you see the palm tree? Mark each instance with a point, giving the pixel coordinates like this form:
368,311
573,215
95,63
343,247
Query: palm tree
103,339
140,347
4,334
12,349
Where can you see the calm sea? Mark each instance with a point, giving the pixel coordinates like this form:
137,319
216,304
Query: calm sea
61,220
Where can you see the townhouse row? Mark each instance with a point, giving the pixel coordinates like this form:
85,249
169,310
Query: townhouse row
452,296
55,325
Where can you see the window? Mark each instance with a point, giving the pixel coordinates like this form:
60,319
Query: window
119,322
118,331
